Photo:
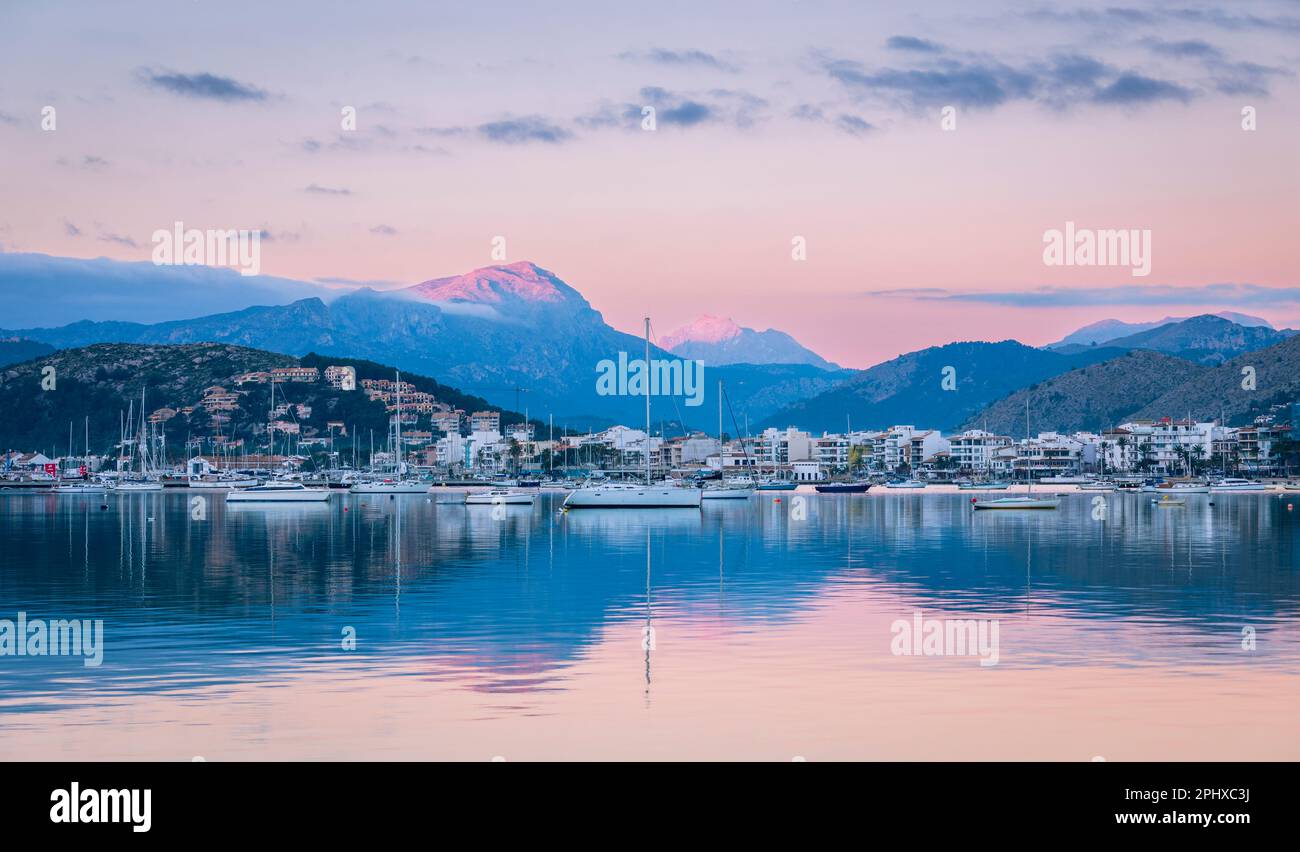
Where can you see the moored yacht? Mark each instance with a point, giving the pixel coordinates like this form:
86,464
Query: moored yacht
629,495
279,492
390,486
1018,502
499,497
1233,483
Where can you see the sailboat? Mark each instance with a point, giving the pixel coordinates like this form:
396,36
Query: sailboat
145,481
277,490
396,484
630,495
733,489
84,485
1021,501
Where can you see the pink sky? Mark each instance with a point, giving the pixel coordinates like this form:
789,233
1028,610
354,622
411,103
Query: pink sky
688,219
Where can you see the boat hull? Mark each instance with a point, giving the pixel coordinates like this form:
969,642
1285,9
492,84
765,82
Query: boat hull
727,493
1013,503
650,497
499,499
294,495
390,488
845,488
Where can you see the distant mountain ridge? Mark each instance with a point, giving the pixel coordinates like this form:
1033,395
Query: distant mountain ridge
718,340
1104,331
487,332
1205,339
910,389
1090,398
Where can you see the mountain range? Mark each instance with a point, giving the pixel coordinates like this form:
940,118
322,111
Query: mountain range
517,335
506,333
719,341
1107,330
1205,339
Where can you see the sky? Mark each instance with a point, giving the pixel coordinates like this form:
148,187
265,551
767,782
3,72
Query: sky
776,123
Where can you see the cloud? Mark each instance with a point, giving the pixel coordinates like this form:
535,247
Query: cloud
951,82
384,230
1225,295
1136,89
70,229
1188,49
524,129
1058,81
6,118
202,85
93,162
118,239
914,44
692,58
845,122
734,107
317,189
267,236
373,283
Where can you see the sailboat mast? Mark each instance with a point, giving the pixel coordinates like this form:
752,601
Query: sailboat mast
397,467
646,388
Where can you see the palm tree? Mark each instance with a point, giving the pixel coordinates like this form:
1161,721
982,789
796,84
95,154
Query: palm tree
1123,443
1198,457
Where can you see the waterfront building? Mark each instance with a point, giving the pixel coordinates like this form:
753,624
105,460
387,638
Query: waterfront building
485,421
973,449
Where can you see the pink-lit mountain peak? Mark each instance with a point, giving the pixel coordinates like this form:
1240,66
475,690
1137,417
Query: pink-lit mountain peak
704,329
522,281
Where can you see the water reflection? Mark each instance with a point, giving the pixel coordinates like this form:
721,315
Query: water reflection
514,604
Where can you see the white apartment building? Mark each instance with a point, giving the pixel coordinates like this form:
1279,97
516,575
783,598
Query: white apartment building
1158,442
782,446
974,449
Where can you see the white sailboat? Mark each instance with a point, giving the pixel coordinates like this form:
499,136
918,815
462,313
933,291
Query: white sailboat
278,490
631,495
146,481
499,497
397,483
1021,501
728,489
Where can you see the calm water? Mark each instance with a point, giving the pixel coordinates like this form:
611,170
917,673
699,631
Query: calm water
521,634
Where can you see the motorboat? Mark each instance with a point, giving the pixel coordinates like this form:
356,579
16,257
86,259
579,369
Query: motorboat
390,486
776,485
843,487
633,496
1096,485
127,486
905,483
727,491
278,492
80,488
499,497
983,486
1018,502
221,481
1237,484
1184,488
